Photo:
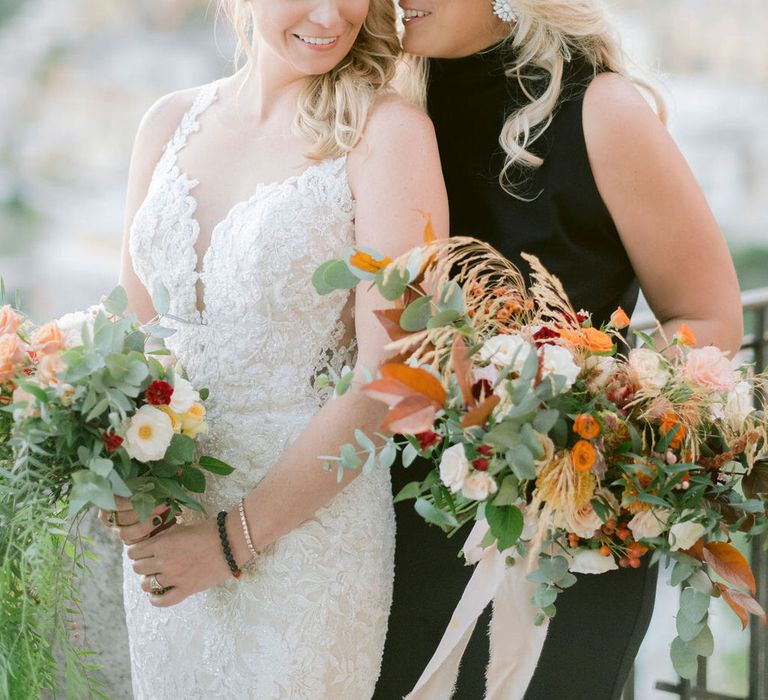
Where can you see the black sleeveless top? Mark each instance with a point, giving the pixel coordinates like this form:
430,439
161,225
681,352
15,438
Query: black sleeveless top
566,224
562,220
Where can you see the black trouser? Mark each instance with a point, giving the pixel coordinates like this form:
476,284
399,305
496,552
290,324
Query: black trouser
590,647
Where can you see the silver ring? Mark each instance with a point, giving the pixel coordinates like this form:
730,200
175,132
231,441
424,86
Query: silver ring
154,584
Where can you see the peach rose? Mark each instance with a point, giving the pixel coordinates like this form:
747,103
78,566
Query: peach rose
49,367
12,353
9,320
585,521
48,339
709,368
22,396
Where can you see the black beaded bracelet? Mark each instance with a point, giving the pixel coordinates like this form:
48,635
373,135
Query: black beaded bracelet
221,520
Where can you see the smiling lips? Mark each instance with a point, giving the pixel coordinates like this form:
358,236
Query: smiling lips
410,15
320,42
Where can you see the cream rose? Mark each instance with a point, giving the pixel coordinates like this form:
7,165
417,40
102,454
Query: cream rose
647,370
590,561
454,467
11,355
183,396
148,435
685,535
478,486
558,360
585,521
600,371
193,421
71,327
501,350
9,320
649,523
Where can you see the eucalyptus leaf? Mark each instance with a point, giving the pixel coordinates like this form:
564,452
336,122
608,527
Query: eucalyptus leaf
409,491
704,643
392,283
117,301
161,298
344,383
553,567
409,455
509,491
416,315
683,659
387,455
364,441
688,630
349,457
434,515
545,596
338,275
693,604
451,298
444,318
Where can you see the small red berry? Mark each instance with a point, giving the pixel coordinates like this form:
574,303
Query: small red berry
605,550
481,464
634,562
624,562
485,450
623,533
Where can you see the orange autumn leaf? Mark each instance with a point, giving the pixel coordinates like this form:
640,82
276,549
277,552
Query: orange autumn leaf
742,604
685,335
479,414
390,321
415,414
388,391
668,423
697,550
367,263
586,426
418,380
429,230
583,455
589,338
620,319
462,369
729,563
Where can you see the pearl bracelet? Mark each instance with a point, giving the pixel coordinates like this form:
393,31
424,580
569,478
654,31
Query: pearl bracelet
246,531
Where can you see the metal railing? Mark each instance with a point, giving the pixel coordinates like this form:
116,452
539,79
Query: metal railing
755,346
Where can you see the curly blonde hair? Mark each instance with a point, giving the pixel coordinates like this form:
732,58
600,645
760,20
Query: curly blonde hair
333,107
547,35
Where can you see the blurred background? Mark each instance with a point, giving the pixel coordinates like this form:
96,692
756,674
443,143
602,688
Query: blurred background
76,77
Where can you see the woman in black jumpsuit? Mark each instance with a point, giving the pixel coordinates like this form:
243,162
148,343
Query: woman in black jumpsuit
558,213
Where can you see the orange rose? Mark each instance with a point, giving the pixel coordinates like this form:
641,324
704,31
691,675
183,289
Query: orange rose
620,319
585,425
668,423
48,339
589,338
367,263
583,455
11,356
685,336
9,320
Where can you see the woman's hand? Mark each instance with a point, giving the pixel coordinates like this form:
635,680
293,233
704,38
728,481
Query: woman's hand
126,525
184,560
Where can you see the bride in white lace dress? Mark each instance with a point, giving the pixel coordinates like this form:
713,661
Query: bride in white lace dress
238,190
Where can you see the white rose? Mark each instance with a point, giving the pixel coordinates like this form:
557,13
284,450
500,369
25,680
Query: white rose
738,406
478,486
649,523
647,370
601,368
454,467
71,327
183,396
685,535
148,434
501,350
559,360
590,561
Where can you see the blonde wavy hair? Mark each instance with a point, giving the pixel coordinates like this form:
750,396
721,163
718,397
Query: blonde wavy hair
333,108
547,35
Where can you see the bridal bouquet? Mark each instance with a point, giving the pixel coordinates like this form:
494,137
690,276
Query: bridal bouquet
88,413
571,449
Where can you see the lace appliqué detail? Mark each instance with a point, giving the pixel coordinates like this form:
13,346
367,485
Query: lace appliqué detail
308,622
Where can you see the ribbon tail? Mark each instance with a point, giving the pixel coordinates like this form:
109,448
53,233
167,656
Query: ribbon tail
439,677
516,641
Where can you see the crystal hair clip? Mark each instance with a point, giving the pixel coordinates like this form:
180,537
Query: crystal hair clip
503,10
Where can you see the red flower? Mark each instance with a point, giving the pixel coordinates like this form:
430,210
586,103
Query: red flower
159,393
543,336
428,439
481,464
112,442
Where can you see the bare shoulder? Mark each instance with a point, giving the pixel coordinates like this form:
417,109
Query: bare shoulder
161,119
617,115
396,122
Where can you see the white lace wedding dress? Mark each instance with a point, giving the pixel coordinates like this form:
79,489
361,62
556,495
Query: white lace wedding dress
309,620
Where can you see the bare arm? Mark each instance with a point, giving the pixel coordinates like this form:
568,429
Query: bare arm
665,224
154,132
394,173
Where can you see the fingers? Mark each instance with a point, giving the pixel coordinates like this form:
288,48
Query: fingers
146,583
137,532
147,566
172,596
125,516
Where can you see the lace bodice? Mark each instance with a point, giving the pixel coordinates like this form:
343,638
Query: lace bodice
309,621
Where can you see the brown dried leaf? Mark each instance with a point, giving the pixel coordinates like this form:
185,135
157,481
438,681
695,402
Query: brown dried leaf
755,484
418,380
479,414
742,604
729,563
462,368
390,320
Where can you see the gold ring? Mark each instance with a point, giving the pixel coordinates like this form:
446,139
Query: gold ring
154,584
